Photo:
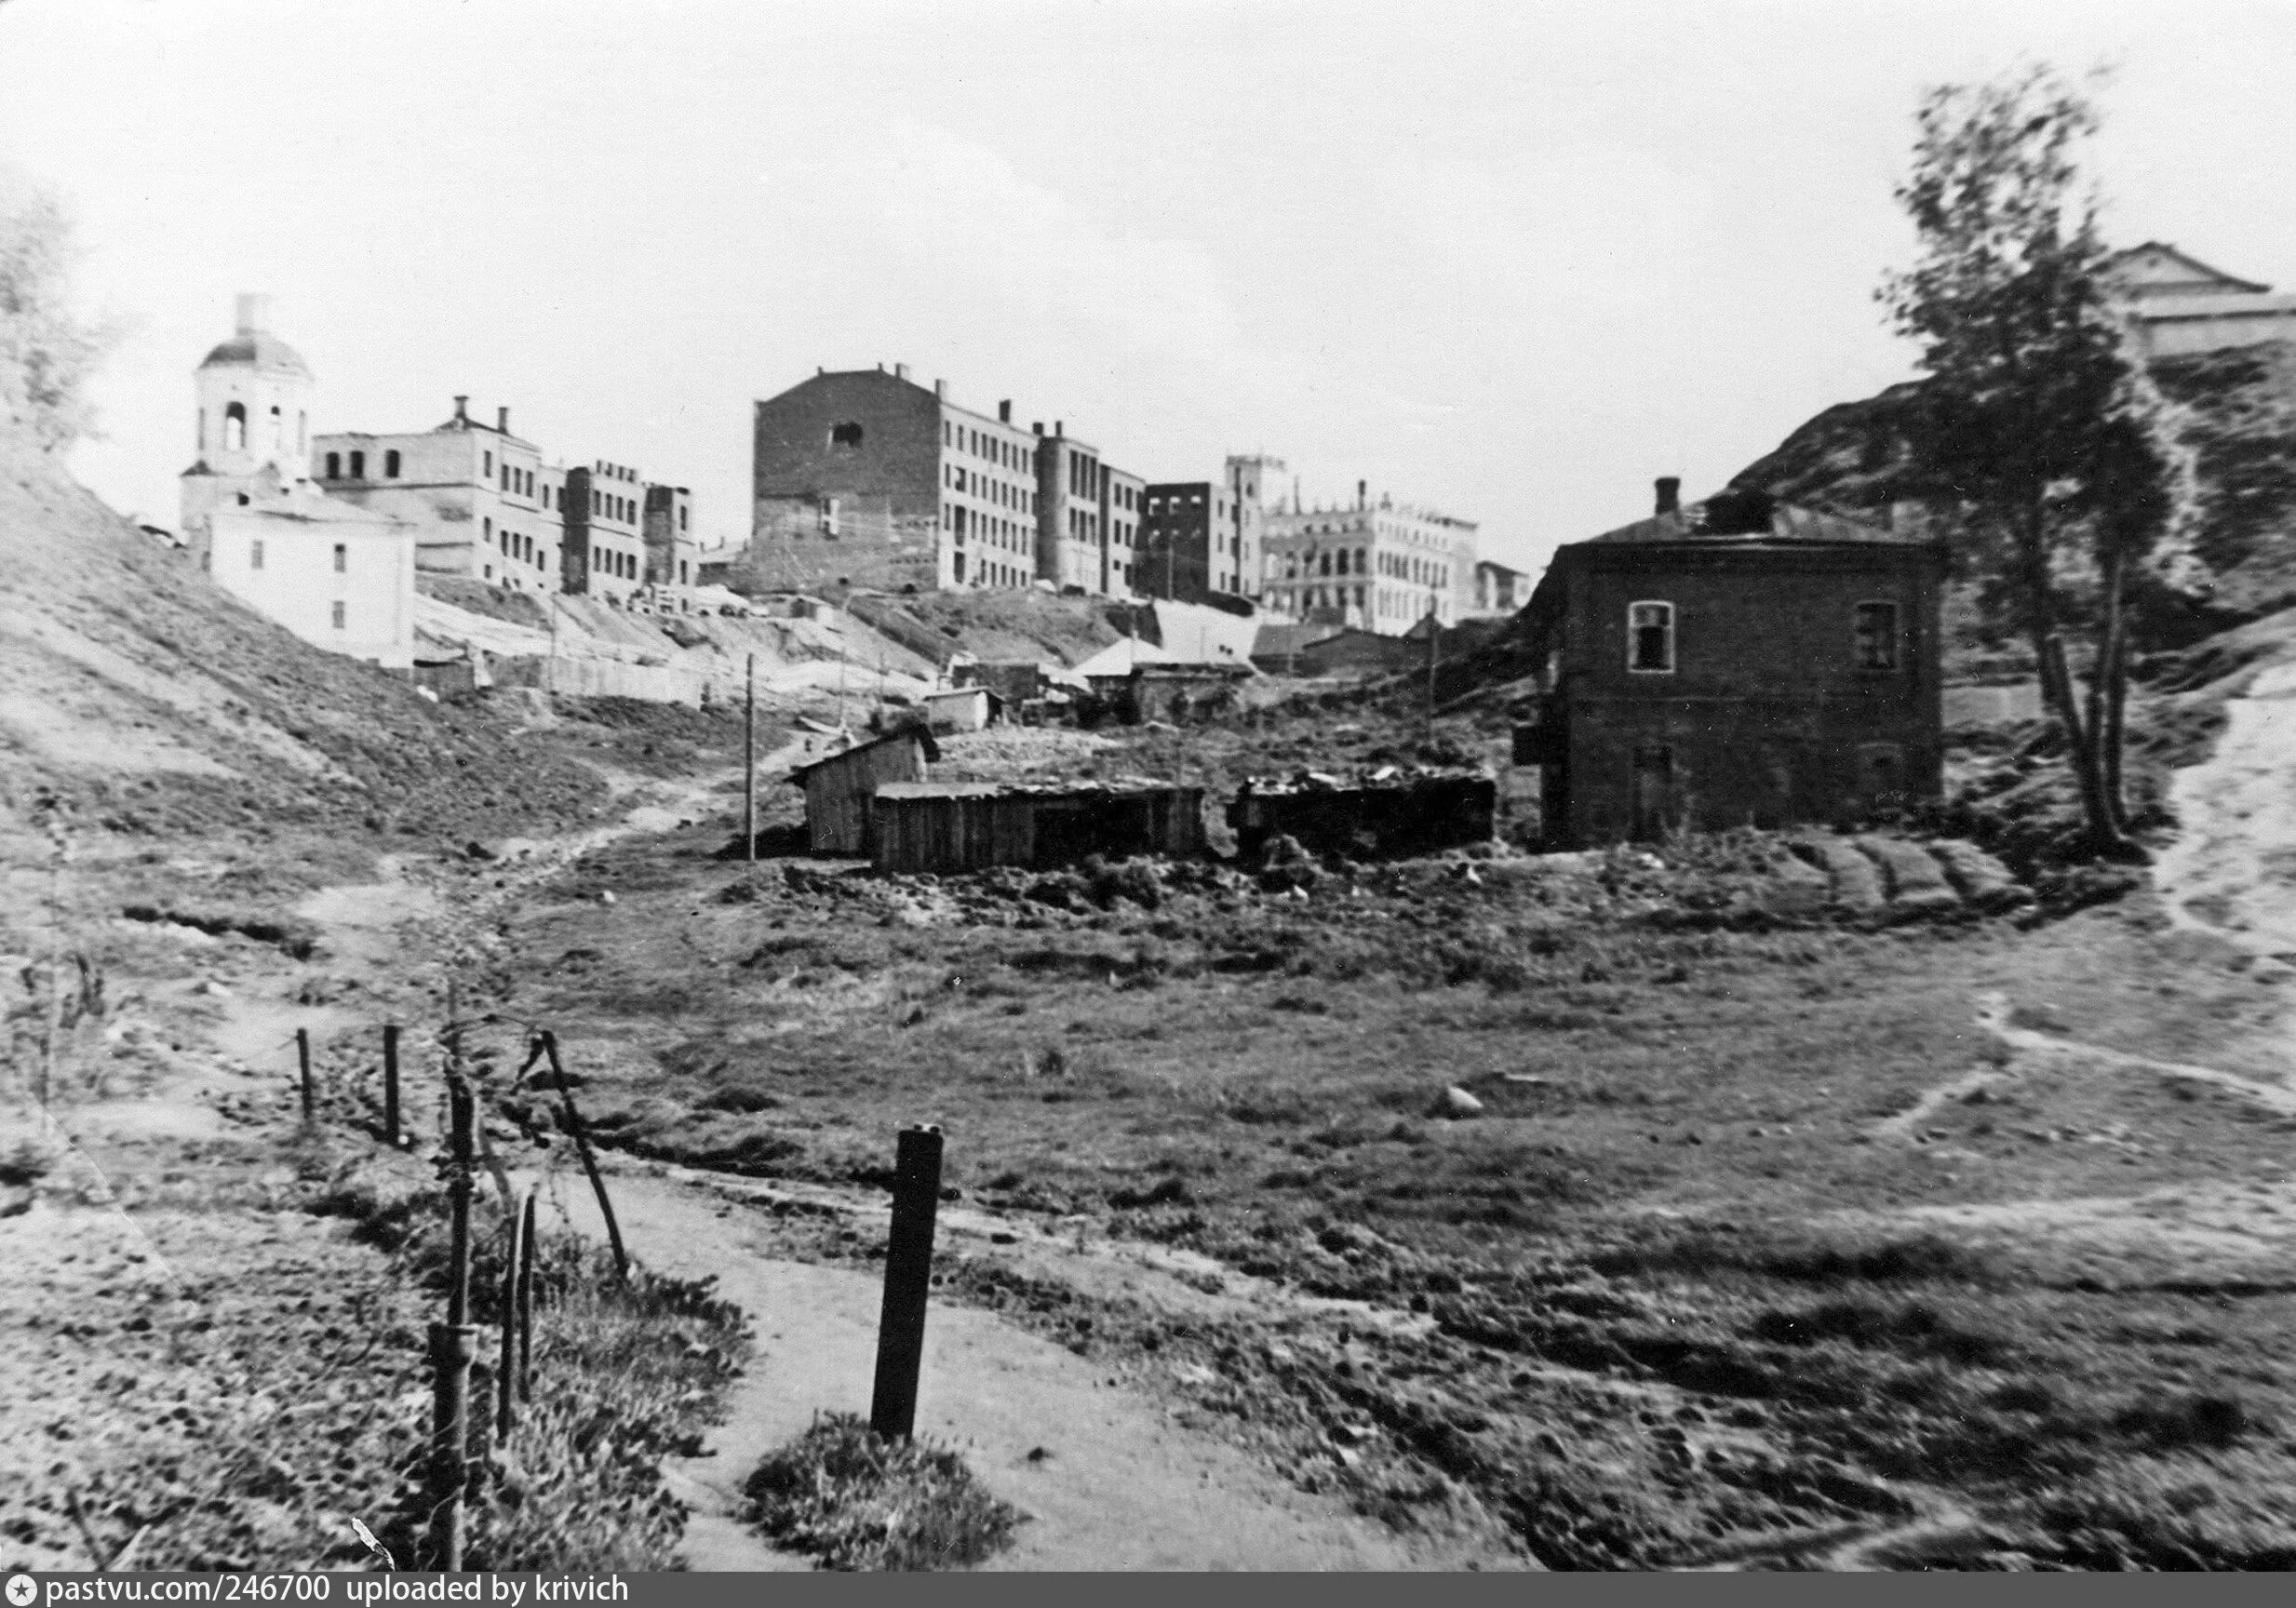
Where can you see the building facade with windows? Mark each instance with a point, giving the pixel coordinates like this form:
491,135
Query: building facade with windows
673,550
482,502
867,479
604,539
1205,539
1382,567
1738,662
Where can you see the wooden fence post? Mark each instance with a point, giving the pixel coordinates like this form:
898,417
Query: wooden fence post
390,1086
908,1279
513,1256
749,765
452,1342
525,1299
302,1057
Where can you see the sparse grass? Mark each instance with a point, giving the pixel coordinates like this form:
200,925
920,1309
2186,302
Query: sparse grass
856,1501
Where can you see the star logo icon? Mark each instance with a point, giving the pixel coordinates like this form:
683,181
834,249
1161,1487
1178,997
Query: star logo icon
22,1588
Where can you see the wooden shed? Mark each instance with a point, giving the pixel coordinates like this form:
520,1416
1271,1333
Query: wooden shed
960,708
838,789
1380,815
943,827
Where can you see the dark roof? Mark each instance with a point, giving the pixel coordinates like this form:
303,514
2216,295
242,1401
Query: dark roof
262,350
1712,521
932,749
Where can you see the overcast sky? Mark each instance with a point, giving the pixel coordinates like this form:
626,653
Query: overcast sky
1510,260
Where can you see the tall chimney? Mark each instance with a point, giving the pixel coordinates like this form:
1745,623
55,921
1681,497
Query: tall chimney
501,420
1669,494
461,410
1004,412
254,313
1363,494
1060,427
940,390
1037,426
900,371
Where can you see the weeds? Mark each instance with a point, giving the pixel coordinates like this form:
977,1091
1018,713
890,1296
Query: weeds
856,1501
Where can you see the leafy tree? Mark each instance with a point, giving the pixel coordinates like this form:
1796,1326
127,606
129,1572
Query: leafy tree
47,354
2038,428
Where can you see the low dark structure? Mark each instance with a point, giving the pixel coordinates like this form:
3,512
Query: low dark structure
1384,814
838,789
945,826
1015,680
1734,663
1173,693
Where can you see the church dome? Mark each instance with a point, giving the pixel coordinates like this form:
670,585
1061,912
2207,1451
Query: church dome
257,349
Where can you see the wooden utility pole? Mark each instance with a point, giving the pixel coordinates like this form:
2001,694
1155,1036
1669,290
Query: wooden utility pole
1434,636
749,764
390,1086
302,1057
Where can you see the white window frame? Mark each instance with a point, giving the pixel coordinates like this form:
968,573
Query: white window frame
1672,656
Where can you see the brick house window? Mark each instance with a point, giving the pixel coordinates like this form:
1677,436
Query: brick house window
1877,636
339,608
390,465
358,465
334,465
1650,639
844,434
342,558
255,554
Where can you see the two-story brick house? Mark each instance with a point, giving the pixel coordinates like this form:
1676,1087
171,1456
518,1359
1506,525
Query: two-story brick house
1738,662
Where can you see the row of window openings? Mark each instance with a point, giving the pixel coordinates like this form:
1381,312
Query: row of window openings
1003,493
1650,638
235,430
1395,565
1387,602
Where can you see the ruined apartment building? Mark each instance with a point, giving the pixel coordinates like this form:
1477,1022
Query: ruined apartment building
1382,567
865,478
482,502
1088,522
1205,539
605,511
2179,305
673,552
338,576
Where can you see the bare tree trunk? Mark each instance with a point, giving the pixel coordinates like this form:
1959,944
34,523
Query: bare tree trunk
2111,695
2083,736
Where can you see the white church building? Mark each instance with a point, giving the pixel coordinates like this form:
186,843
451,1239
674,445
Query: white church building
340,577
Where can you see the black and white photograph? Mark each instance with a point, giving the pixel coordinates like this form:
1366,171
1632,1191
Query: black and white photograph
1142,785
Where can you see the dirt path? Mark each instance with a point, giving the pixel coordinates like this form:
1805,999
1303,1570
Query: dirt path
1108,1480
2231,871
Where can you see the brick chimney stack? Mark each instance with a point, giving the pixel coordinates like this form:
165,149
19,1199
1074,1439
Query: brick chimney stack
1004,412
1362,494
461,410
501,420
1669,494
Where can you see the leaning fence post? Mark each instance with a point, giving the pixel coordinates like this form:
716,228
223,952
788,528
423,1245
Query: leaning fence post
909,1278
390,1086
525,1299
302,1057
581,1148
452,1342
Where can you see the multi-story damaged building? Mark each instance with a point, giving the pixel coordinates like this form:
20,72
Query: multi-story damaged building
673,551
474,492
865,478
1089,513
1203,540
1383,567
605,551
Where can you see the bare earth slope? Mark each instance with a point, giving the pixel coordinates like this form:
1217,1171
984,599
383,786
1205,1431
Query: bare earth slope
130,681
